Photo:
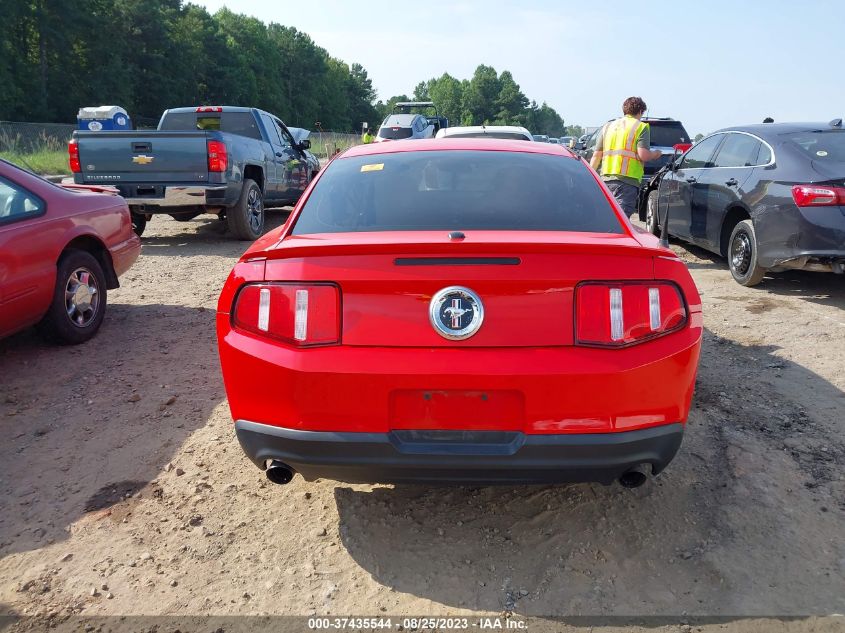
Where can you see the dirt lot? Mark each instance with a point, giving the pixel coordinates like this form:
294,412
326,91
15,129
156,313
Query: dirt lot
123,490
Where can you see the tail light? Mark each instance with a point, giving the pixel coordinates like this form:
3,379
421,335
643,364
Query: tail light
210,109
297,314
73,156
218,156
818,195
616,314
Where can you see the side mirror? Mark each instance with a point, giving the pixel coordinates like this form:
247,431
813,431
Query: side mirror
306,144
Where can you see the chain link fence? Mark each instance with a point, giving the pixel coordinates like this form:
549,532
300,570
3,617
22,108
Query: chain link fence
27,138
326,144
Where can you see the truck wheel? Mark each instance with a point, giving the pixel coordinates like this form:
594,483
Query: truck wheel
139,223
246,218
79,300
742,255
652,213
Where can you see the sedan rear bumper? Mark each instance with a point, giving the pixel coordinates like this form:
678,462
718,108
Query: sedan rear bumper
505,457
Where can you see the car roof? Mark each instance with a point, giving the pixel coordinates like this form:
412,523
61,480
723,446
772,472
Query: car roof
777,129
480,144
464,129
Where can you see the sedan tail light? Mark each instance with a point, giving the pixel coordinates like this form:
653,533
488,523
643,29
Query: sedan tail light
218,156
297,314
73,156
616,314
818,195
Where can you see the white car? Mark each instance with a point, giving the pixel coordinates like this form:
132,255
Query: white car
397,127
509,132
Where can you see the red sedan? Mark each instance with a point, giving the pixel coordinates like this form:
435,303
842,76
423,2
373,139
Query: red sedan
61,250
459,310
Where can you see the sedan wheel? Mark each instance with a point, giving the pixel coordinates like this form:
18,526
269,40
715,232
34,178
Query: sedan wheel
742,255
82,297
79,299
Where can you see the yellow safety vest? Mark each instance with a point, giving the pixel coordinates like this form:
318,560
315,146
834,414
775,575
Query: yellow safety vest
368,138
619,152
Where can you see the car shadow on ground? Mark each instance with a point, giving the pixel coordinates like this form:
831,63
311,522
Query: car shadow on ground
200,234
85,426
711,535
822,288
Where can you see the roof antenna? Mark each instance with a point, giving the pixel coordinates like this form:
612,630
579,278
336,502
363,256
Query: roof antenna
836,123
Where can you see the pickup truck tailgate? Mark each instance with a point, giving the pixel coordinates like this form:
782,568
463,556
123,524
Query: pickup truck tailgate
136,156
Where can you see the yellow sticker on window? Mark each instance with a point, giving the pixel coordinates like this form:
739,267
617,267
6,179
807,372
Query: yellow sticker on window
372,167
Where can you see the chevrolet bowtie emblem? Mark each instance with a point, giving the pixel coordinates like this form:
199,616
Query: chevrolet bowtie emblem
142,159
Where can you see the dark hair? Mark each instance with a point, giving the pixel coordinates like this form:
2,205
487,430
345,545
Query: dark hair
634,106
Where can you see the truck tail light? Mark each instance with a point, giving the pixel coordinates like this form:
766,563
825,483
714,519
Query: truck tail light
73,156
218,156
616,314
296,314
210,109
818,195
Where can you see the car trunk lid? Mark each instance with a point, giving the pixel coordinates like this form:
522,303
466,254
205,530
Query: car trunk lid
524,280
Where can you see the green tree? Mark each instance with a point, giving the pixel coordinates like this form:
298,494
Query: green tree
447,95
510,102
479,98
574,130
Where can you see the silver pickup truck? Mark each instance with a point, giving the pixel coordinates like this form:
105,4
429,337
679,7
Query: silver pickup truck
229,161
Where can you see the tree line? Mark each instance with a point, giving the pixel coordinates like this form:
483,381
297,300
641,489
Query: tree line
149,55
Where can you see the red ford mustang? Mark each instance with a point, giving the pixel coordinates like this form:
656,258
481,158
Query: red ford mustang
61,250
459,310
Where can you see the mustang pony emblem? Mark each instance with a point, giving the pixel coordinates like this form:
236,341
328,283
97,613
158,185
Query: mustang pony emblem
456,313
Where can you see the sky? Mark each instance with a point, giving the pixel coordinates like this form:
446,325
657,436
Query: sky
709,63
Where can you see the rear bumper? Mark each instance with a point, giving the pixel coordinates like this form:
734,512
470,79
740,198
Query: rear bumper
460,456
172,196
125,254
809,238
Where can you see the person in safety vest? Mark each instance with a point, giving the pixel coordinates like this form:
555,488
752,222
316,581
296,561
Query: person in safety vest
622,147
368,137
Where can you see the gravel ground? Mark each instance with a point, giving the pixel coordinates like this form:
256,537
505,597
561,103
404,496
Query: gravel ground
123,490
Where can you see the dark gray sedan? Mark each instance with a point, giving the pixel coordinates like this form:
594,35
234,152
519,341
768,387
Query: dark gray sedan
769,197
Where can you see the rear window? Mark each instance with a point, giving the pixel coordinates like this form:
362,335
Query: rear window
456,190
667,134
240,123
394,133
827,145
